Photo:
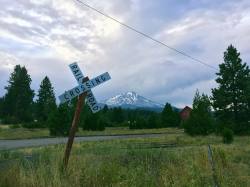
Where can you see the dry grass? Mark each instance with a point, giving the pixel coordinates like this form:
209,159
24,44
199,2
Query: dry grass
122,163
22,133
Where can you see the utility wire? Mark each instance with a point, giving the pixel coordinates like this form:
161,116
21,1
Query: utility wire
147,36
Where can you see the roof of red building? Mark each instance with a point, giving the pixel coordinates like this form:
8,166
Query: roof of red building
186,108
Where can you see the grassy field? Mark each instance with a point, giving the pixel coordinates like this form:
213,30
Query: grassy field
6,132
21,133
170,160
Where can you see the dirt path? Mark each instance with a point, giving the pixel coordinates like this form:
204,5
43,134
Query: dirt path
15,144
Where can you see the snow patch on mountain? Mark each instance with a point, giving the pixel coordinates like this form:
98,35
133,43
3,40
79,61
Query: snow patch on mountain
131,100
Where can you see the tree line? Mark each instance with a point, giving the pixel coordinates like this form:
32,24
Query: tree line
18,106
227,109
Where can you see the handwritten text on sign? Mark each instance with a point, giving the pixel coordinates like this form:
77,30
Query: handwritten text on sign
68,95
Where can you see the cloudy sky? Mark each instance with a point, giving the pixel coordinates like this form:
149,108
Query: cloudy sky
47,35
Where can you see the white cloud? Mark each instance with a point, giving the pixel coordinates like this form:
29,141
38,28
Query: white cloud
48,35
17,21
8,61
40,2
40,16
185,26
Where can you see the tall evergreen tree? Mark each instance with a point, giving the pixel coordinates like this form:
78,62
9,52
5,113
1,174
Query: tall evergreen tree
105,109
1,107
46,102
169,117
19,97
231,98
248,98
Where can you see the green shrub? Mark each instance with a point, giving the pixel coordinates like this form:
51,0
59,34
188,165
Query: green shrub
132,124
150,122
198,124
15,126
201,121
101,124
138,123
10,120
153,122
34,125
60,121
227,135
94,122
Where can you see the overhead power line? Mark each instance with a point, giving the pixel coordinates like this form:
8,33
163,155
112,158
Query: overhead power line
147,36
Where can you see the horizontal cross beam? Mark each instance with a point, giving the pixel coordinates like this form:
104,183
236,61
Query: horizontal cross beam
90,98
70,94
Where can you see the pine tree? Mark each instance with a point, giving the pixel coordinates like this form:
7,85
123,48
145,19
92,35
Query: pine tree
248,98
1,107
90,122
105,109
140,123
231,98
105,116
152,122
94,122
118,116
19,97
169,117
60,120
46,102
200,121
132,119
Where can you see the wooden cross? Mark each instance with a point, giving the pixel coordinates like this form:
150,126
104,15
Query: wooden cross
83,91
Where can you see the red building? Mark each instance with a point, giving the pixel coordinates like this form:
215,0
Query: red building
185,113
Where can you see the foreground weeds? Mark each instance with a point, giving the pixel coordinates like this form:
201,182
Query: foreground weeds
123,163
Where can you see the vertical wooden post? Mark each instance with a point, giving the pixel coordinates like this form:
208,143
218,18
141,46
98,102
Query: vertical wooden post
79,106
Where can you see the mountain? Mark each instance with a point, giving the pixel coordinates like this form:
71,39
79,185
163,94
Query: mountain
132,100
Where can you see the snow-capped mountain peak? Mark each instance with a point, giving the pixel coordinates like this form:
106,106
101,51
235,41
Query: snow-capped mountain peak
131,100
